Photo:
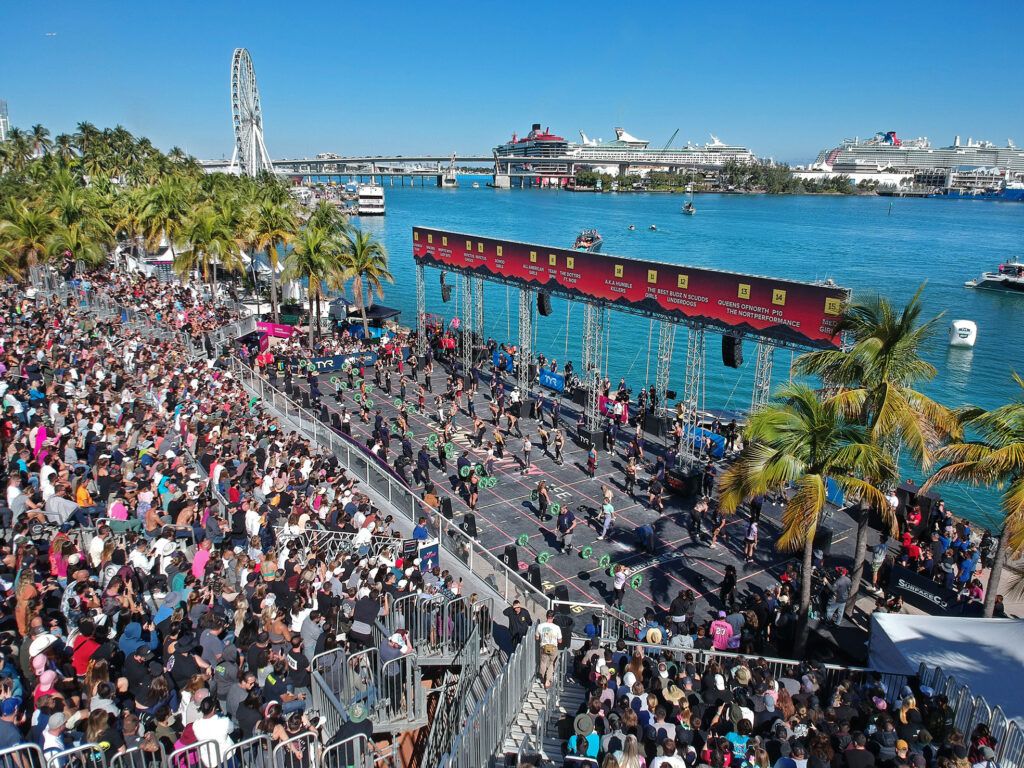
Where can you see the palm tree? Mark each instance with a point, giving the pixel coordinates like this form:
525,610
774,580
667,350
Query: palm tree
994,458
271,226
313,257
25,232
327,217
73,242
801,440
85,134
64,148
210,243
874,383
41,143
167,207
363,258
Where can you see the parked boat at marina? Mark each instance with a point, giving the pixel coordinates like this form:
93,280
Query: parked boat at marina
371,200
589,240
1010,277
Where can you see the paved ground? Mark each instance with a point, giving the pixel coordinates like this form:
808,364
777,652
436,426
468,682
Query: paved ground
507,511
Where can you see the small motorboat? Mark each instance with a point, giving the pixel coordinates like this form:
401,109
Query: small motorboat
653,227
632,227
476,185
688,209
589,240
1010,277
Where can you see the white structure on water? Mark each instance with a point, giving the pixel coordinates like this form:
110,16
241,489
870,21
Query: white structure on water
250,156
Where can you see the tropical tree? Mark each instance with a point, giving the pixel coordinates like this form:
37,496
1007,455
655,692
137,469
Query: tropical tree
363,258
76,243
994,458
41,143
64,148
874,382
313,257
210,244
327,217
25,232
271,225
801,440
167,208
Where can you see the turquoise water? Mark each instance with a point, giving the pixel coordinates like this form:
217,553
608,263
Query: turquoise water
856,241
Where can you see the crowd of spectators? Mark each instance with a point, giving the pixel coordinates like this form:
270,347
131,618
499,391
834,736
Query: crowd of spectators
175,557
647,709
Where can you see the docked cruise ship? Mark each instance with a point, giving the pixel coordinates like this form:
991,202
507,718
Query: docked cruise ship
626,149
886,151
622,153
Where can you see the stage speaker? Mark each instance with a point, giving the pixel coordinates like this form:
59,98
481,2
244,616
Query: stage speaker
511,557
732,351
304,399
544,303
446,508
580,395
587,437
654,425
823,539
469,524
446,293
288,386
670,394
533,575
562,595
533,372
336,420
325,415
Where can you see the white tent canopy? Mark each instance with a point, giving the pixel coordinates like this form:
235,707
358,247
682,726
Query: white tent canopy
985,654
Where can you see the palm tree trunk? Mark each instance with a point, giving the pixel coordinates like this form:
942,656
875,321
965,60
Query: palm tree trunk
803,628
318,295
366,323
996,575
273,285
309,297
860,553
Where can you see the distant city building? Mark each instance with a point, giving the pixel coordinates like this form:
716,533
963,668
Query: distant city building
5,123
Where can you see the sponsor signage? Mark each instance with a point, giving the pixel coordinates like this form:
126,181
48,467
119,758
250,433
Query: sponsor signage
334,362
277,330
786,311
429,554
920,591
552,380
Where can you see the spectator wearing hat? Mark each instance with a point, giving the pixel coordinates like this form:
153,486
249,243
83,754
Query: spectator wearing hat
11,721
584,742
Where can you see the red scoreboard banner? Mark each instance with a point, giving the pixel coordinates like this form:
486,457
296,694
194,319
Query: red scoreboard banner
787,311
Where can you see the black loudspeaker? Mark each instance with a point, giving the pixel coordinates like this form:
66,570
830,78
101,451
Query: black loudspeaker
446,293
511,557
544,303
654,425
533,372
288,386
469,524
304,399
823,539
580,395
565,623
336,420
533,575
325,415
587,437
732,351
670,394
562,595
446,508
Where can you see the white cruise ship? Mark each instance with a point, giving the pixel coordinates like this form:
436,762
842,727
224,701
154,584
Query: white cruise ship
370,201
885,150
626,148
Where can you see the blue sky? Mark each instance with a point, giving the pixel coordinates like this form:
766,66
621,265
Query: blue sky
785,78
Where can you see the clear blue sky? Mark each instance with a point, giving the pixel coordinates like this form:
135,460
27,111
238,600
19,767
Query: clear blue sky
785,78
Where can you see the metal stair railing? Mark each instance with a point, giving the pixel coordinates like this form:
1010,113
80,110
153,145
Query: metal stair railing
450,712
438,627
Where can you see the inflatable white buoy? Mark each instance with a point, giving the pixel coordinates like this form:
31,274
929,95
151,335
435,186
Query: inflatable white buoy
962,333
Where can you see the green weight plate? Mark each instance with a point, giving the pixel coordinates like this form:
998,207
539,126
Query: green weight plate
543,557
534,495
344,385
479,469
523,540
346,367
409,434
334,380
398,402
605,561
586,552
357,397
555,508
449,450
395,430
368,403
491,482
464,472
637,581
431,440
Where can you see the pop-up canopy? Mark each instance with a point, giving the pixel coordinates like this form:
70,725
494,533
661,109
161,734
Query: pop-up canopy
985,654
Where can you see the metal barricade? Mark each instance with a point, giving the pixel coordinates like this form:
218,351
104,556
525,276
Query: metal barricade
22,756
256,752
136,757
300,751
202,754
82,756
1010,749
353,752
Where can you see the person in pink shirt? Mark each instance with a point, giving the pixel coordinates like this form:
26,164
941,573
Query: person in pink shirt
721,632
200,560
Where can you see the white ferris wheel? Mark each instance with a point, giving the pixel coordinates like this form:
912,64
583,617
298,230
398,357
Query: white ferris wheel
250,156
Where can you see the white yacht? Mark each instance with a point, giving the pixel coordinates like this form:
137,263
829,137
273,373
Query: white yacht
1010,277
370,200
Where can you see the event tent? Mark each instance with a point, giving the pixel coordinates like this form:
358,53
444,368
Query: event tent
986,654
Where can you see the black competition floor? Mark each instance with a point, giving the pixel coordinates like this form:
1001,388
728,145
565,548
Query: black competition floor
506,511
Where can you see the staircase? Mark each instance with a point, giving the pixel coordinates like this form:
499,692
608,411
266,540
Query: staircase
535,727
